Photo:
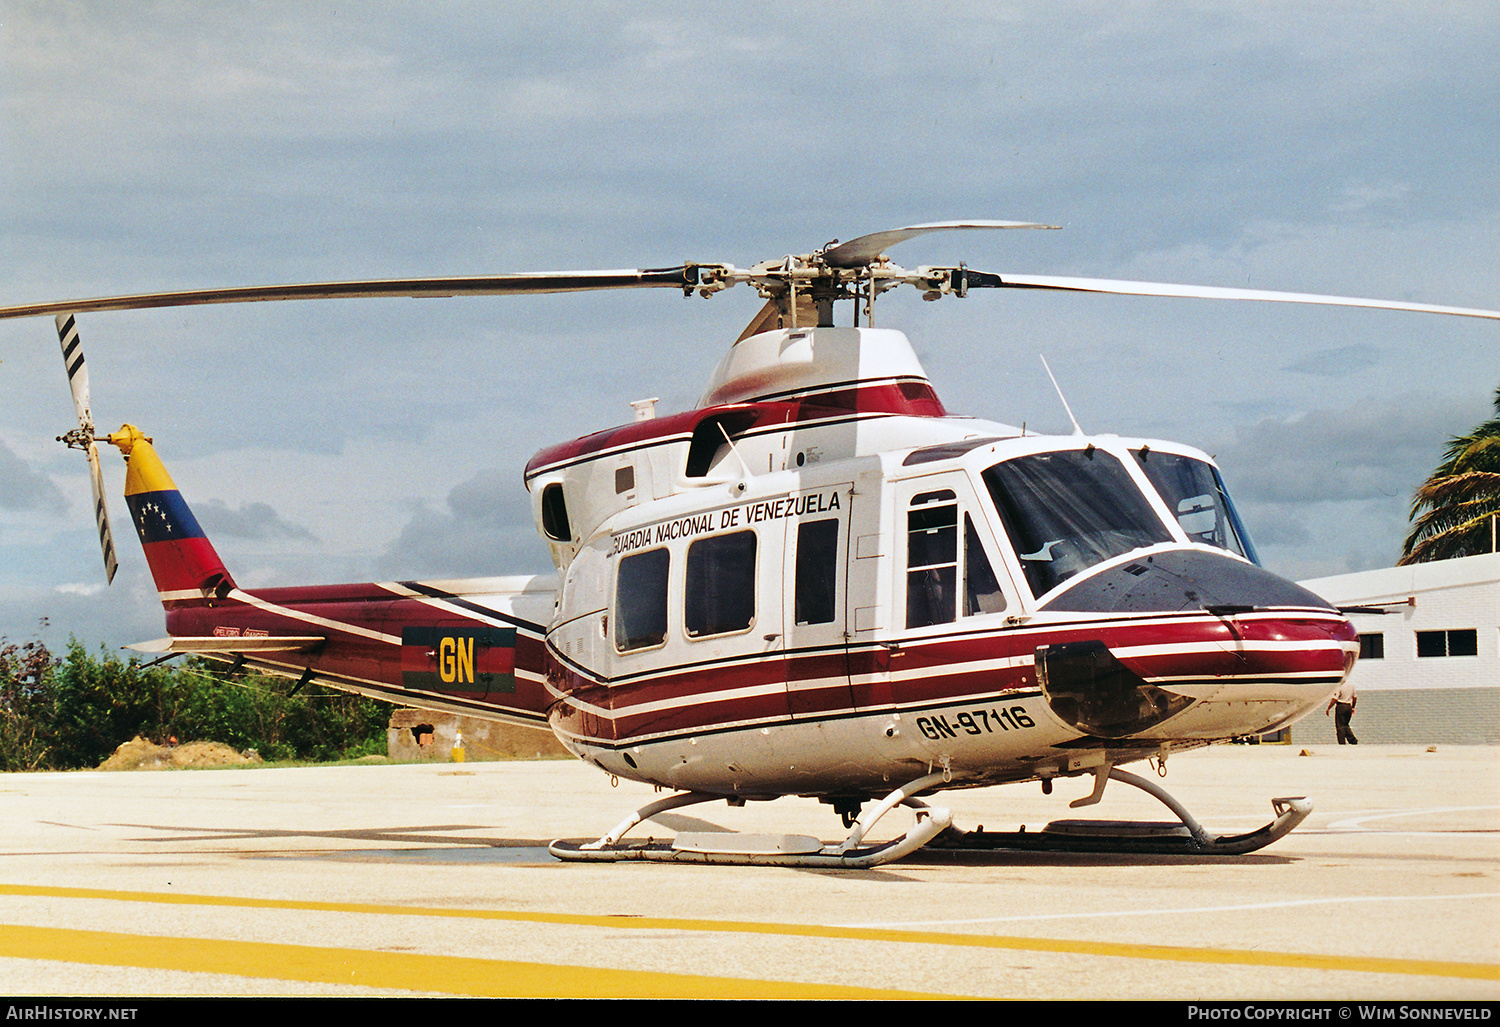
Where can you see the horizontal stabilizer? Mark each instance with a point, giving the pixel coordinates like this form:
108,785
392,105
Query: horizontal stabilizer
235,644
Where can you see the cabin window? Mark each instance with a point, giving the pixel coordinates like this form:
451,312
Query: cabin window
817,571
1194,492
720,588
555,514
1066,511
641,600
1461,642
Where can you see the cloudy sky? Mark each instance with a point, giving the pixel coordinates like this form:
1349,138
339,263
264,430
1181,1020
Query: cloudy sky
1325,147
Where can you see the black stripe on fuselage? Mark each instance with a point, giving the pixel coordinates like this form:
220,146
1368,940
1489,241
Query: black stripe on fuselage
472,607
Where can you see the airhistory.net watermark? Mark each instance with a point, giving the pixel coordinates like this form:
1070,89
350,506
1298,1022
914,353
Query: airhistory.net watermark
37,1011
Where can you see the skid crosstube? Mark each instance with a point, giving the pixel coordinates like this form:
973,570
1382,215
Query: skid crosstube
730,849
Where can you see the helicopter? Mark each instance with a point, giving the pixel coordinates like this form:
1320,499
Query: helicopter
817,582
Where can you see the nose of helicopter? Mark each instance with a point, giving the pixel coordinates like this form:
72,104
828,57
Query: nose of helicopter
1272,651
1183,579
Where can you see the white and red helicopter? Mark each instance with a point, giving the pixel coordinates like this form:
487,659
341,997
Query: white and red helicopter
816,583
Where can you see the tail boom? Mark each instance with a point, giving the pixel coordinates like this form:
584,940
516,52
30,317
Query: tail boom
475,647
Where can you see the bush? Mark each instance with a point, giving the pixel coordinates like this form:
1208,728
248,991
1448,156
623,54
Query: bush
25,706
73,711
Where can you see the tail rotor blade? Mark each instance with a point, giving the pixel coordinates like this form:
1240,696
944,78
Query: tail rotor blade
78,371
82,437
101,516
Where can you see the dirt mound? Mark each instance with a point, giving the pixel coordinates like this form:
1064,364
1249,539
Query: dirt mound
139,754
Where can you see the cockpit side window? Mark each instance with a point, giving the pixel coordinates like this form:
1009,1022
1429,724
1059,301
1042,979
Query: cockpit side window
1194,492
931,559
1066,511
982,592
935,564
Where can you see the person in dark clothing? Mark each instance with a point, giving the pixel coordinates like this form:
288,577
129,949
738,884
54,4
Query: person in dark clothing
1342,703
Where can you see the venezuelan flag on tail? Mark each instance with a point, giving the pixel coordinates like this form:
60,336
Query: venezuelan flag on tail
187,570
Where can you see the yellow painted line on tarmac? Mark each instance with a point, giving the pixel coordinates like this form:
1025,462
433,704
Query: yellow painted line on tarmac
407,971
1176,953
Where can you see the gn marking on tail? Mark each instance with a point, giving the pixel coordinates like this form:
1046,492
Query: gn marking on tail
455,658
458,659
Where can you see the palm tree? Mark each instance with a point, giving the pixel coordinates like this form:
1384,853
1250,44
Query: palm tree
1461,499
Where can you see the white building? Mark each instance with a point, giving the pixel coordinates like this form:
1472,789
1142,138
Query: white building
1429,666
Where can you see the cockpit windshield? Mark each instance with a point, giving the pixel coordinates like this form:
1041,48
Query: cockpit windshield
1194,492
1066,511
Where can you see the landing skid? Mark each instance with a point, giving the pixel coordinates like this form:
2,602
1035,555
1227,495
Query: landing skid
792,850
933,826
1186,838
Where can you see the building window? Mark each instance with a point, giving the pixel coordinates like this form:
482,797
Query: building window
1458,642
1372,646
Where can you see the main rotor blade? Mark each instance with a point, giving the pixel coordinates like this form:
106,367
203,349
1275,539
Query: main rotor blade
867,248
965,279
685,277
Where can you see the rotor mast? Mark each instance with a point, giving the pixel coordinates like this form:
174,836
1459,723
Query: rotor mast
802,288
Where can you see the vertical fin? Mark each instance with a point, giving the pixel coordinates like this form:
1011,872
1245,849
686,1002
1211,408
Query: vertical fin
183,563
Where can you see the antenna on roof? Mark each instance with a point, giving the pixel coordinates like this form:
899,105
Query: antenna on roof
1077,430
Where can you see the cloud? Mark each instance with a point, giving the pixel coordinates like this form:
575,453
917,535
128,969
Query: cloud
1338,362
1329,491
1378,451
251,520
485,530
128,611
1359,195
22,488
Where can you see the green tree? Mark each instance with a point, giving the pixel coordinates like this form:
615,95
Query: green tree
100,701
1452,513
70,712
